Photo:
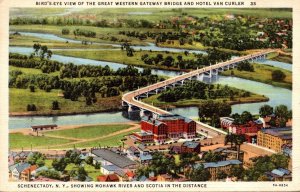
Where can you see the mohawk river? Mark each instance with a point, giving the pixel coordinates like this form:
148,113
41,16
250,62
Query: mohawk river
276,95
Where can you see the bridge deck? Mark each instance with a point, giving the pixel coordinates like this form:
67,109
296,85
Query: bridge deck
130,97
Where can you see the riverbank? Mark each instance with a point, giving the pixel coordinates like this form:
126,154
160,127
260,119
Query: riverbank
262,73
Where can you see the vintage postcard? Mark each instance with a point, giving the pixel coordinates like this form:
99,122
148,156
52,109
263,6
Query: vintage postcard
149,95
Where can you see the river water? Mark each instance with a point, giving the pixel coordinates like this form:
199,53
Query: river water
150,46
277,95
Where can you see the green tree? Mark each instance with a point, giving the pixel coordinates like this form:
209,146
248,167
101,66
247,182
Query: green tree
211,156
265,110
200,174
59,164
283,114
280,160
278,75
237,171
32,88
65,31
89,160
55,105
50,174
36,158
97,165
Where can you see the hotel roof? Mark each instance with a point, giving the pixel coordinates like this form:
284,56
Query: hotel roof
114,158
284,133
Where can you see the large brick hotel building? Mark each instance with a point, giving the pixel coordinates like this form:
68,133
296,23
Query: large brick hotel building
166,126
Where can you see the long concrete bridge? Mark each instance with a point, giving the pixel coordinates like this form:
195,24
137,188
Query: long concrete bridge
132,99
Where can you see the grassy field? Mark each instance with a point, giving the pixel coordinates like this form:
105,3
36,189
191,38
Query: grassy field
194,102
27,71
91,171
109,141
262,73
20,98
121,57
18,140
28,41
88,131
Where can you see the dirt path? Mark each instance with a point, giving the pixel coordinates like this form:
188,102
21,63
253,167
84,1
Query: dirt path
134,126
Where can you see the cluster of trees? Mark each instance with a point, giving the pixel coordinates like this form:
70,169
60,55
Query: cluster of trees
240,119
31,107
192,89
42,51
245,66
63,21
278,75
235,141
161,164
234,34
47,66
60,165
65,31
201,60
170,36
105,81
191,171
128,49
36,158
199,90
85,33
281,112
213,111
263,164
138,34
55,105
50,173
211,156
